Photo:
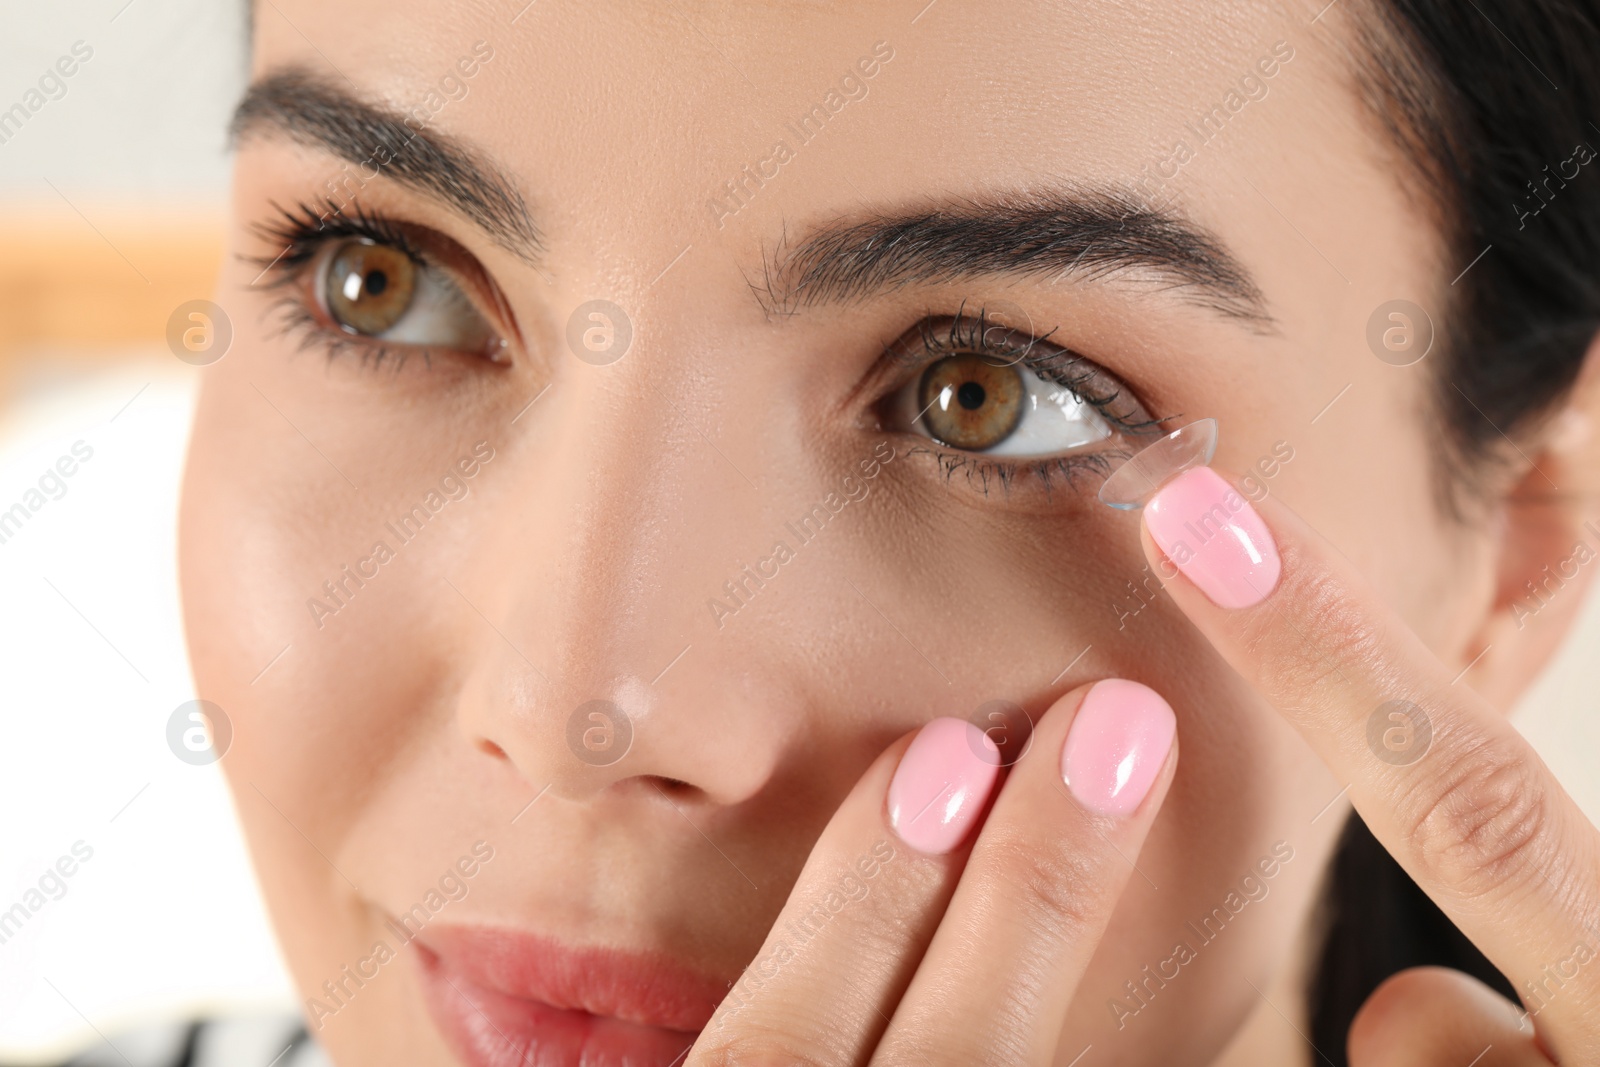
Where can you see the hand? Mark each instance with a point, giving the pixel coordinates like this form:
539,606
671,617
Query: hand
907,941
1459,798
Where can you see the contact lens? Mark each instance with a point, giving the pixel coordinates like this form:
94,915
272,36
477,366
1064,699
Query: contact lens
1136,481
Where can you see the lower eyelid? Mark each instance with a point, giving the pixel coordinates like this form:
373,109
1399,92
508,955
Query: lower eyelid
300,324
297,322
989,475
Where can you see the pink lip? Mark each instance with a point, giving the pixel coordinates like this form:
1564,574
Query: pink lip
503,997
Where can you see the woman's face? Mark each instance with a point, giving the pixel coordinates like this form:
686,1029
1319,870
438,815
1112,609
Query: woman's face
414,562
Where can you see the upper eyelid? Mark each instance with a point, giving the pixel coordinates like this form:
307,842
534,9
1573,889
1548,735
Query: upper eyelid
304,233
933,338
929,330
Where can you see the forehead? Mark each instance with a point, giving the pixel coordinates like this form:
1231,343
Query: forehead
1029,91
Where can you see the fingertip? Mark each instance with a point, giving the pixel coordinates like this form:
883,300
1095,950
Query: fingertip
1117,746
1417,1013
1210,532
941,784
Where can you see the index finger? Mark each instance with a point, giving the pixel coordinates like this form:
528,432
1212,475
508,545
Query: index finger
1455,794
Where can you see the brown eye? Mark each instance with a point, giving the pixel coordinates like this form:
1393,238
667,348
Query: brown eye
971,402
369,286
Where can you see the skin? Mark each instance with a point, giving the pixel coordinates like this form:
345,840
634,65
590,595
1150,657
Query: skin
432,709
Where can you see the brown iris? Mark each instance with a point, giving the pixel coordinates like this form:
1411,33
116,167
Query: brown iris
369,286
971,402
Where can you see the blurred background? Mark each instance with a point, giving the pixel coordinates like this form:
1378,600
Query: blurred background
112,194
113,183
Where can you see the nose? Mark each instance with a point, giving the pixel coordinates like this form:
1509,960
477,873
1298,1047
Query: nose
617,514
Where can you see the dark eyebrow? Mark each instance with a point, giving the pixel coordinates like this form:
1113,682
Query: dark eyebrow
316,112
1093,233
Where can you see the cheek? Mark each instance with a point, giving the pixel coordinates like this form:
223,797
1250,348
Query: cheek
1446,601
920,599
318,712
297,470
1367,485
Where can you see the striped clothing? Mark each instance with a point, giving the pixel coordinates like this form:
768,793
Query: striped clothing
230,1041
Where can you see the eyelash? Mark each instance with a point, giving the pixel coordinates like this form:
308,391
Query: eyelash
303,231
964,334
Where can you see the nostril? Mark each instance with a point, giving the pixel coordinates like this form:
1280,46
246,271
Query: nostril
489,748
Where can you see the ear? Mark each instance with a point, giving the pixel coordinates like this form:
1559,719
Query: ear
1547,551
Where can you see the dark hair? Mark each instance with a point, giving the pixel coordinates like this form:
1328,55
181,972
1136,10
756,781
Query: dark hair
1490,106
1379,922
1487,107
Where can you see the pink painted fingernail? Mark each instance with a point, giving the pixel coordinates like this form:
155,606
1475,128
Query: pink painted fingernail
1215,537
1117,745
941,784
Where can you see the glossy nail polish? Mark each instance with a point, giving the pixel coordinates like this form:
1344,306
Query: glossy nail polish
941,785
1117,746
1215,537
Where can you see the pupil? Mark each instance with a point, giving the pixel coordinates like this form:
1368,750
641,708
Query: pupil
971,396
377,282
